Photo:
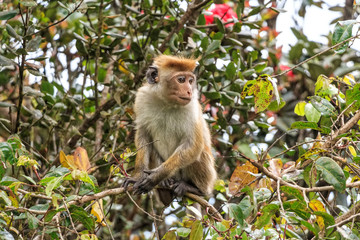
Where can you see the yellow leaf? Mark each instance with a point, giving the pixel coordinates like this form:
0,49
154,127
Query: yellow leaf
97,211
241,177
78,161
67,161
122,67
27,162
316,205
349,79
352,151
81,159
317,144
300,108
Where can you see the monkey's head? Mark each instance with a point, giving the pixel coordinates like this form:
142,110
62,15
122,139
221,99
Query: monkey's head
175,77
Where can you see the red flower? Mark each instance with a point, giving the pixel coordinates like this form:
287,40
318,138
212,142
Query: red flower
222,11
284,68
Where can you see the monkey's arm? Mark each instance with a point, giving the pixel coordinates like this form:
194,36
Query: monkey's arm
187,153
144,147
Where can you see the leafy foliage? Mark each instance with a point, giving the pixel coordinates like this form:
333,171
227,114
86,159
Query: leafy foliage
286,143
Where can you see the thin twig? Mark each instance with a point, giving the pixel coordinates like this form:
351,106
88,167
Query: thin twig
55,23
153,212
316,55
71,221
344,221
58,225
152,216
342,113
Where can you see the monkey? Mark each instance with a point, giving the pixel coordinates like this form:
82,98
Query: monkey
172,137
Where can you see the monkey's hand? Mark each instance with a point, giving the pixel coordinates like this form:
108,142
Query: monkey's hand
146,182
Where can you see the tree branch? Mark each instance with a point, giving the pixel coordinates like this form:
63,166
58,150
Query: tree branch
316,55
55,23
344,129
189,12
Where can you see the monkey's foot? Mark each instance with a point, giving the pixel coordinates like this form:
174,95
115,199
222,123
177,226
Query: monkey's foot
145,183
182,187
127,181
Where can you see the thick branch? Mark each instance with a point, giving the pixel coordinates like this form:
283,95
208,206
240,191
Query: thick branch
349,216
344,129
116,191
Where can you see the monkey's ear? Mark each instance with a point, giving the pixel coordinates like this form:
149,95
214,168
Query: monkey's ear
152,75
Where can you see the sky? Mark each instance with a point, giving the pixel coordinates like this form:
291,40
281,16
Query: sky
316,24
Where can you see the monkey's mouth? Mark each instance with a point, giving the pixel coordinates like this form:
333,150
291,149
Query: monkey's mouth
188,99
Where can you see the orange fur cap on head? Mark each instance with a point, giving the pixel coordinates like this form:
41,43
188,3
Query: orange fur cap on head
175,63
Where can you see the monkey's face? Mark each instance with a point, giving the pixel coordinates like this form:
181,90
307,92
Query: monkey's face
180,87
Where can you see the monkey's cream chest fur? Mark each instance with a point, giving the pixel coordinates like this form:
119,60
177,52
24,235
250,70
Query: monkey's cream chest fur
166,123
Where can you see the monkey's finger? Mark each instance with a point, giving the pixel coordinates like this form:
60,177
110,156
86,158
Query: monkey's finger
148,171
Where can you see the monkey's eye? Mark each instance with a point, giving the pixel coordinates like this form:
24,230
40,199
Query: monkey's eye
181,79
191,80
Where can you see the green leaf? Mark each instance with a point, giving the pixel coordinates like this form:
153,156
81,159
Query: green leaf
47,87
183,232
85,178
12,32
237,42
53,184
275,106
28,3
33,44
260,66
323,106
267,212
6,15
35,72
309,226
170,235
215,44
342,31
196,231
311,114
230,71
212,95
201,20
7,153
220,25
353,95
305,125
235,212
331,172
4,62
294,192
32,221
79,214
328,219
